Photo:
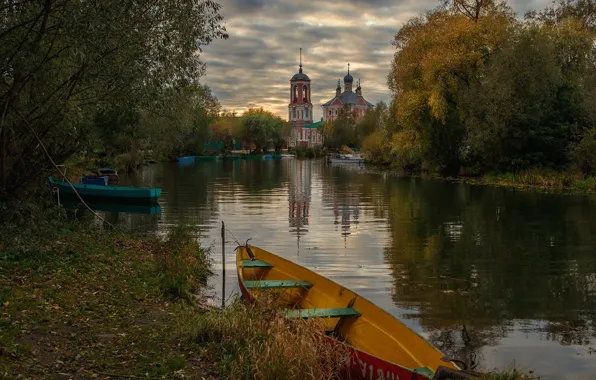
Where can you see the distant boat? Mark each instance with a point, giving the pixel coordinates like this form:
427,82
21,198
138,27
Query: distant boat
346,158
285,156
186,160
132,194
382,347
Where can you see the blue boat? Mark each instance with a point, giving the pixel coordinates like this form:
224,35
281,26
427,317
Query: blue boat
129,194
100,181
186,160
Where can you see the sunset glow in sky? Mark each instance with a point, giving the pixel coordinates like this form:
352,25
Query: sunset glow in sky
253,67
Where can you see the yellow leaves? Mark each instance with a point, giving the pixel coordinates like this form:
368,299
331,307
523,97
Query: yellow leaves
437,55
438,105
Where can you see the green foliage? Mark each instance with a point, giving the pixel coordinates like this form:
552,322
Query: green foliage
64,63
341,131
584,153
308,152
259,127
226,129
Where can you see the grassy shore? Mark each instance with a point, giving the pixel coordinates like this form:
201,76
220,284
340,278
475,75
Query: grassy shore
542,179
80,302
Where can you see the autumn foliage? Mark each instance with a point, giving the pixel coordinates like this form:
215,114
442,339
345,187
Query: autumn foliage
476,88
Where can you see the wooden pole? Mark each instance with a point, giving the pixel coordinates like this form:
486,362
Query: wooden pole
223,265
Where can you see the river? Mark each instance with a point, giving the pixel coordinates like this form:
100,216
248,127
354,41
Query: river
494,276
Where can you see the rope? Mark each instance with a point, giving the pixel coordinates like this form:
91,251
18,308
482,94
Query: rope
62,174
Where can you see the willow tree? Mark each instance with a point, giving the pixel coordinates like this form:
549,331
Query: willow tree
259,127
438,58
63,61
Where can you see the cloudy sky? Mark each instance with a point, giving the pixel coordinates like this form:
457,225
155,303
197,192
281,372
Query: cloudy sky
253,67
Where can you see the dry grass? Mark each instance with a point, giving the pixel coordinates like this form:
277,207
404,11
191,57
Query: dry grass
255,341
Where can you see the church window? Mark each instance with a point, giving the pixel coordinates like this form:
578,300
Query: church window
306,114
295,94
305,93
336,112
330,112
294,115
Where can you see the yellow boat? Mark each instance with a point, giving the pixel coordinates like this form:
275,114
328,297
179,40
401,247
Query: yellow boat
382,346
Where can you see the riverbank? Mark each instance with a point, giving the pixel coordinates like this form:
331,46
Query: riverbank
78,301
539,179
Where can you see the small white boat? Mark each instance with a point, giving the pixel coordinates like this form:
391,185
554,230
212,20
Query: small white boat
286,156
346,158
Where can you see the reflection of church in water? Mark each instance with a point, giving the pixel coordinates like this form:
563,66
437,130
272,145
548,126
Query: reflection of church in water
299,198
344,200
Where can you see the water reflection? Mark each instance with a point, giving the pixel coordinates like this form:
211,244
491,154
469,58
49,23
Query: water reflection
488,275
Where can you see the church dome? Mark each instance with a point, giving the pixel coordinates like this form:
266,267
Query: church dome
348,78
300,76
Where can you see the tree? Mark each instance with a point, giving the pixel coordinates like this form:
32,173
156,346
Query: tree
63,62
520,114
583,11
226,129
259,127
343,131
438,58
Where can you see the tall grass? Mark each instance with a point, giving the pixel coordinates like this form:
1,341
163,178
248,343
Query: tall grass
184,266
256,341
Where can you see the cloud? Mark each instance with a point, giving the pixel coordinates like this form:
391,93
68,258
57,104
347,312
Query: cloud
254,66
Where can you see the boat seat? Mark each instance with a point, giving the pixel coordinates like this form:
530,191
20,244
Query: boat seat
277,284
256,264
338,312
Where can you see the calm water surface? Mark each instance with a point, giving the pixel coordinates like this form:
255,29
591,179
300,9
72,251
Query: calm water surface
494,276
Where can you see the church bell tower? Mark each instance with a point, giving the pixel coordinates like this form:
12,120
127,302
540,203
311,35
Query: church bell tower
300,107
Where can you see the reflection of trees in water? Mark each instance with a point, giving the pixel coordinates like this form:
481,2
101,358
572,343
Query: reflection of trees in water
481,257
465,342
